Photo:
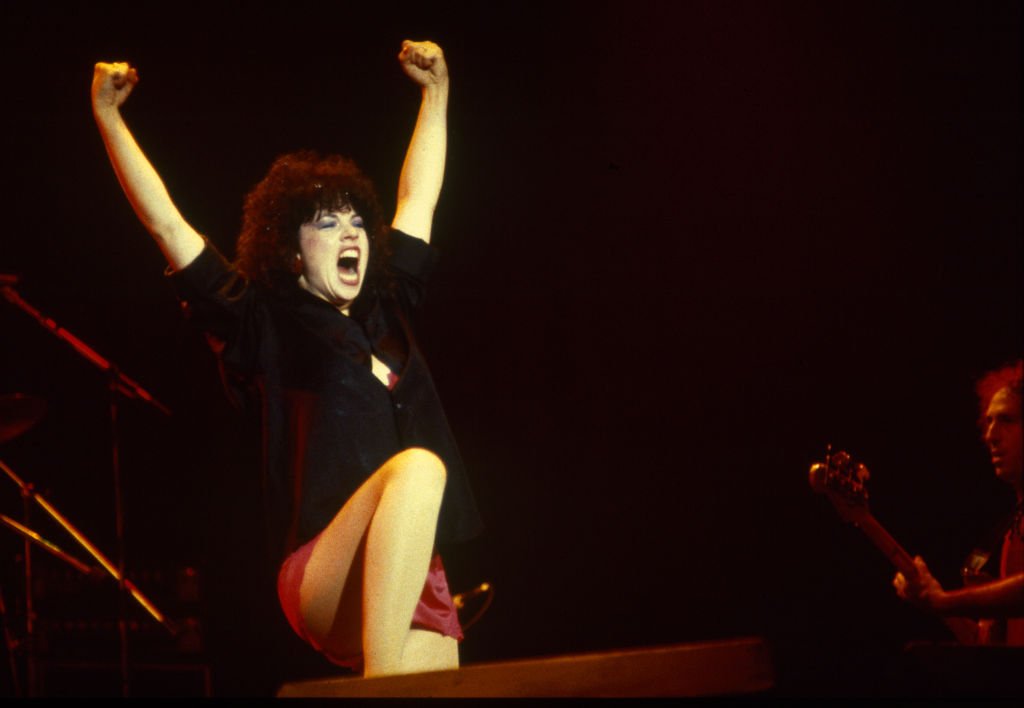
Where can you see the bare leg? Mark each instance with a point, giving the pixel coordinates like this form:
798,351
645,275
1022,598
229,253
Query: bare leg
429,651
399,544
392,517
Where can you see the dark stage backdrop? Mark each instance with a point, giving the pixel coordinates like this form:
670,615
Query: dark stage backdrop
686,245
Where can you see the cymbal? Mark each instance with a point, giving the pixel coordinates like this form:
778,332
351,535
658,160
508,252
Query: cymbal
18,413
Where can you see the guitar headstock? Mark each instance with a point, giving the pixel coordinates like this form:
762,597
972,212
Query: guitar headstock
844,482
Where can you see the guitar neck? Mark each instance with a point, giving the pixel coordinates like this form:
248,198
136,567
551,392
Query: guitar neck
965,630
843,481
888,545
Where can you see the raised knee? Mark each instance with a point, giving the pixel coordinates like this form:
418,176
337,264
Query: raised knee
420,467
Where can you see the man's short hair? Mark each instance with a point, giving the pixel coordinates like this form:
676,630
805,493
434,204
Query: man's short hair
1007,376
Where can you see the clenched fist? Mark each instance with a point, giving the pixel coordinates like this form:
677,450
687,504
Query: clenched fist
111,84
424,63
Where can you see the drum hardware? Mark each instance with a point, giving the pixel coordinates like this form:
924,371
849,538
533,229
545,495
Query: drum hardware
52,548
18,413
11,643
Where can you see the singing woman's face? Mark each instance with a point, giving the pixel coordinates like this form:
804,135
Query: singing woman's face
334,251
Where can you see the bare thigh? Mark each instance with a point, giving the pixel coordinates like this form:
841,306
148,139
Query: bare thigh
331,595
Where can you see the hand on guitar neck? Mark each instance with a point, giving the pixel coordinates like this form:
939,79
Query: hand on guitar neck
919,586
844,482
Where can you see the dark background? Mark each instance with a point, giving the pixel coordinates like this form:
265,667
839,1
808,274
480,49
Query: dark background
686,245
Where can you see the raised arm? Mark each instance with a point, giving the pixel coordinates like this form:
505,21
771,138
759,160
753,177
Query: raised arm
419,185
111,85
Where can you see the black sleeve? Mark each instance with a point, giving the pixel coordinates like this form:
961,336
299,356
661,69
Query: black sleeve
411,264
220,302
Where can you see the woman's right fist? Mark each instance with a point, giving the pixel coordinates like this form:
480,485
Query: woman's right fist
111,84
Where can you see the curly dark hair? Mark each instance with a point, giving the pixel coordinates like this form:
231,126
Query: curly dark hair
298,186
991,383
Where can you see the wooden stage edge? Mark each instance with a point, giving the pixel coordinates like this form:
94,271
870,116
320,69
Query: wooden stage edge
717,668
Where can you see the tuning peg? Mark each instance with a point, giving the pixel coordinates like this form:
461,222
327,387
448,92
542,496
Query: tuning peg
863,474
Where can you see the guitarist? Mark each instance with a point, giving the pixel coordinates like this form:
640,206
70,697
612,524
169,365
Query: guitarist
999,396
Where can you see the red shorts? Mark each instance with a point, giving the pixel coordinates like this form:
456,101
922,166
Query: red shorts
435,610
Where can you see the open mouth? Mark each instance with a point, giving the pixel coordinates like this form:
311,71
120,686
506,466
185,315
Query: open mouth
348,267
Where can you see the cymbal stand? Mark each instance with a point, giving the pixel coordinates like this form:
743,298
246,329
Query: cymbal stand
29,493
119,384
30,537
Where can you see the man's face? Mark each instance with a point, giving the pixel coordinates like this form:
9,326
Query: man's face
1003,436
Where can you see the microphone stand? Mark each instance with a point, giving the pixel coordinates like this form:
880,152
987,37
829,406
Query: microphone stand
121,384
118,381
